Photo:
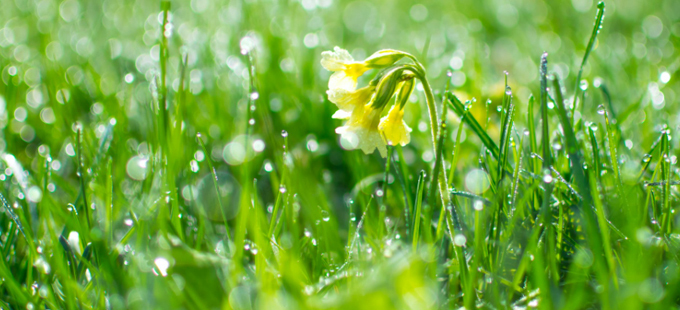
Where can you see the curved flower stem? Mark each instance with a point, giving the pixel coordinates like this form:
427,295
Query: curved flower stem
434,125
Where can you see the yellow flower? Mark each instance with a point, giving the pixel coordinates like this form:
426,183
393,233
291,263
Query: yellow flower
347,100
394,128
347,71
361,131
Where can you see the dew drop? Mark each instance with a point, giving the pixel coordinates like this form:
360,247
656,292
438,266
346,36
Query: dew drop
43,291
478,205
284,133
600,109
547,178
459,240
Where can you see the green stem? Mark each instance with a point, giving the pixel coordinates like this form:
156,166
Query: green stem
441,177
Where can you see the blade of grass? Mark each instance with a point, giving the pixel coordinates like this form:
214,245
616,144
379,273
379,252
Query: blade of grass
419,205
599,18
506,129
218,194
602,268
460,109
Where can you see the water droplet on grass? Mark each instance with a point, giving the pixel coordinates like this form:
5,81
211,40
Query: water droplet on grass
547,178
600,109
43,291
459,240
268,166
162,265
478,205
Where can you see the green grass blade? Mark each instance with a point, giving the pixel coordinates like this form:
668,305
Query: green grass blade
599,18
419,205
459,108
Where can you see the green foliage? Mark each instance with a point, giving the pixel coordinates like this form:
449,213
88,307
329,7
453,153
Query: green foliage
182,155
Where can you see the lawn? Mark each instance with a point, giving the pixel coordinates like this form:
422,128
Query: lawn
332,154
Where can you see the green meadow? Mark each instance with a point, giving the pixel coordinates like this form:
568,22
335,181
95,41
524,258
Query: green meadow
224,154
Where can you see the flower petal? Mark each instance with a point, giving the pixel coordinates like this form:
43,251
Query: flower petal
341,80
341,114
336,95
394,128
369,140
336,60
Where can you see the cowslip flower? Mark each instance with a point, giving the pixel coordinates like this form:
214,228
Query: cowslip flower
361,130
363,107
394,128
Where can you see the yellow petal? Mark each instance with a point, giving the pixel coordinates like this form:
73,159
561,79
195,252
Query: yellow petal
348,100
394,128
361,131
336,60
343,81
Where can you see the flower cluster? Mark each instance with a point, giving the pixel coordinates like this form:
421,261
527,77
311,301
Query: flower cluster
363,107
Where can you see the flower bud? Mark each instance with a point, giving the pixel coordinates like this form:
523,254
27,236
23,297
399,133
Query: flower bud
387,87
384,58
405,92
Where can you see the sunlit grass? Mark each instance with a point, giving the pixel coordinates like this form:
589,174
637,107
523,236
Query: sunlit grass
182,155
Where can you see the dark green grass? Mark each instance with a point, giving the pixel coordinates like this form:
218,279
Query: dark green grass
200,170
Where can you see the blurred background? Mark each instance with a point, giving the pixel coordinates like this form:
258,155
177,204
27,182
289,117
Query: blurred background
90,61
96,63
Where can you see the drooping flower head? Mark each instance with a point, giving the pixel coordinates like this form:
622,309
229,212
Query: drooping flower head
363,107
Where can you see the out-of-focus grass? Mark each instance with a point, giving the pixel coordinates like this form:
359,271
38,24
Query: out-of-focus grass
202,170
